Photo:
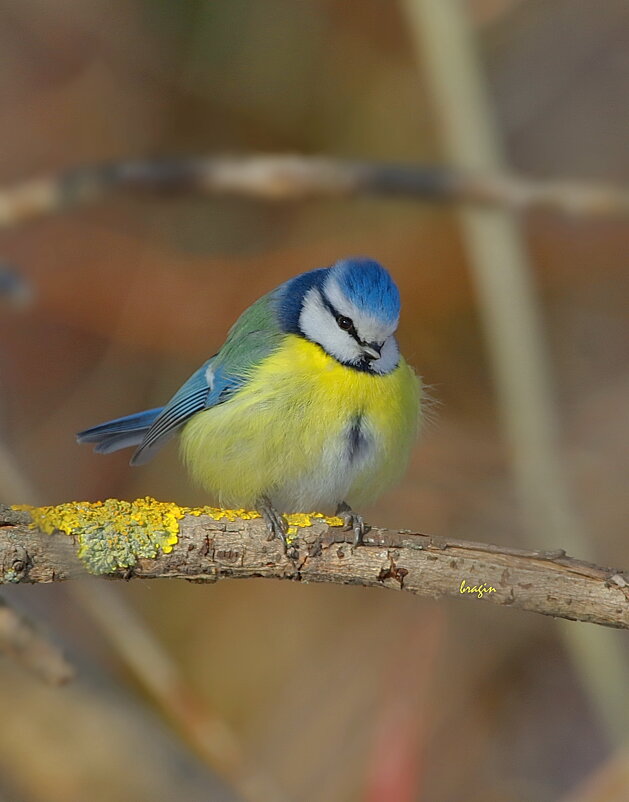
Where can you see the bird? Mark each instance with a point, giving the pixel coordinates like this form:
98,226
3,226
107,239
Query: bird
308,405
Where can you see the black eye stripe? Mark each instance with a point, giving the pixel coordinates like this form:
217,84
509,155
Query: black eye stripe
336,315
328,305
351,331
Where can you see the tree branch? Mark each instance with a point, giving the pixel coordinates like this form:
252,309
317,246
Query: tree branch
20,639
290,177
206,549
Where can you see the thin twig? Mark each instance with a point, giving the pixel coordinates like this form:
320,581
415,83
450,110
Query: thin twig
211,737
447,46
21,640
547,582
292,177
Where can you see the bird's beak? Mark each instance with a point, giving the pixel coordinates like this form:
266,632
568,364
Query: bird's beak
372,350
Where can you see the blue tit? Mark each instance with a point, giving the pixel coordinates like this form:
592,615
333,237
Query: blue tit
307,406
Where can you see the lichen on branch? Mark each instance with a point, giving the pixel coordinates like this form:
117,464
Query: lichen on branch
148,539
113,535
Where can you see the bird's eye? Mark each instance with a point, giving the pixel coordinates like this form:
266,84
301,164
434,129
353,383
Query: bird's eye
344,323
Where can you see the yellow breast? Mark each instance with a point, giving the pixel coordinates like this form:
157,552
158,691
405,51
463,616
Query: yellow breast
285,433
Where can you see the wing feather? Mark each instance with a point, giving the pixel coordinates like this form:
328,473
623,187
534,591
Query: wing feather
252,338
190,398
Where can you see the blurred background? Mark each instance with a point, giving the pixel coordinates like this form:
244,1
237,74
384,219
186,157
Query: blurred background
264,690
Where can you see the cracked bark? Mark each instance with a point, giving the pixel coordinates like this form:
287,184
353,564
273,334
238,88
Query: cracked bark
547,582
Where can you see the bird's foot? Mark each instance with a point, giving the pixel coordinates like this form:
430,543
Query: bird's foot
275,522
352,522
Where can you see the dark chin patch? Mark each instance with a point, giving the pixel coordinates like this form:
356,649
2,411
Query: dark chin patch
367,366
364,365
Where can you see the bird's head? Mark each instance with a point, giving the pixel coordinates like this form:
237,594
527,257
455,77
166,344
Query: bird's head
350,309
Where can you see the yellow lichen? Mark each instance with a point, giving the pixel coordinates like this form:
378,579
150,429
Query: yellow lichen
113,535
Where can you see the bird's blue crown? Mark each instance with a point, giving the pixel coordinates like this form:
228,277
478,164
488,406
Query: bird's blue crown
369,287
363,281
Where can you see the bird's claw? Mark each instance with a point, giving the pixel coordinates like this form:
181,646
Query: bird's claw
352,522
275,522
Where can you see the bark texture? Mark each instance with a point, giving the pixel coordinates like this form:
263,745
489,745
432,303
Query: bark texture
547,582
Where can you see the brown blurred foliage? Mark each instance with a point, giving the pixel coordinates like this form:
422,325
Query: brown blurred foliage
338,692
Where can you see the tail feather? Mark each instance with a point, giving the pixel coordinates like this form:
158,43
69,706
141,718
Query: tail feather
119,433
114,442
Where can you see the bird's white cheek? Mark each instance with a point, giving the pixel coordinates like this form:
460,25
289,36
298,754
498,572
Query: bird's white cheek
341,345
319,326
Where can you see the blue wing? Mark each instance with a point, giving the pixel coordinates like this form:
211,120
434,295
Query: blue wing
119,433
204,389
251,339
151,429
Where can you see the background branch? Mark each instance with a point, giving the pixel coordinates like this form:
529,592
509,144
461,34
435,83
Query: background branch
290,177
211,737
20,639
545,582
448,48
